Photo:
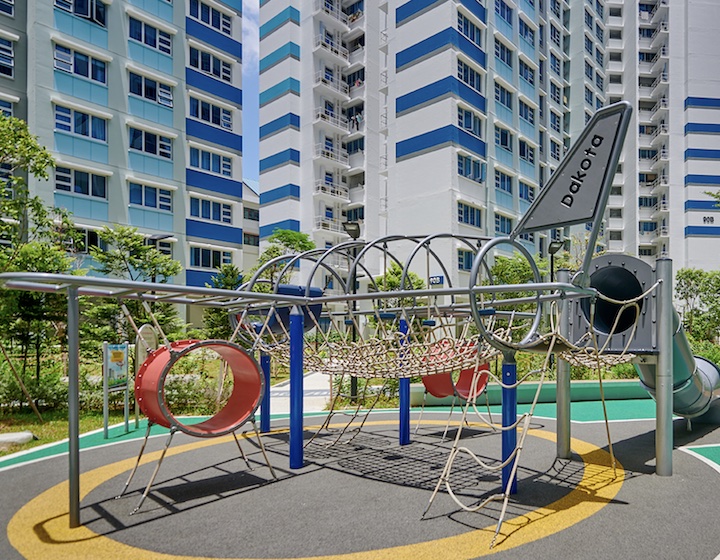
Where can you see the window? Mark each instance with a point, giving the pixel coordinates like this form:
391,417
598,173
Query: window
150,143
555,35
251,214
469,76
503,53
208,112
209,258
210,64
150,89
6,108
599,57
503,224
469,215
647,201
150,36
80,182
615,213
210,16
84,240
470,167
503,96
251,239
469,29
80,64
598,103
599,81
555,7
7,57
526,72
599,33
503,181
554,92
526,32
555,64
526,152
151,197
503,138
210,210
82,124
599,8
588,45
615,235
529,237
504,11
615,12
92,10
526,192
554,121
210,161
7,7
465,259
470,121
615,56
589,19
589,97
554,150
588,70
527,113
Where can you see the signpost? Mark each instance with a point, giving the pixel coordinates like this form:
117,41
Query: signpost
115,378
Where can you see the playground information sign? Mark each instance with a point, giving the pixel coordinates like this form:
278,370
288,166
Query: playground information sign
116,366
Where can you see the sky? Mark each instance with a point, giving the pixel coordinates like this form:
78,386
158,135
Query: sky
251,47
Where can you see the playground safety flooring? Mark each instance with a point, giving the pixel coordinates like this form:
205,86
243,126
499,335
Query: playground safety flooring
363,498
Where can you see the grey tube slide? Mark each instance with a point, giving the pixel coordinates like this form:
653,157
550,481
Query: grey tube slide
696,381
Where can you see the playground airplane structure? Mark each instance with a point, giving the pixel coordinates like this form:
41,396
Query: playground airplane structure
365,324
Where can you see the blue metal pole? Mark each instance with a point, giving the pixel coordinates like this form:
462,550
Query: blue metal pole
265,403
509,416
296,388
404,393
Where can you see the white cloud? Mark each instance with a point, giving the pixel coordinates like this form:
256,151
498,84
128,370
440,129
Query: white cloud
251,35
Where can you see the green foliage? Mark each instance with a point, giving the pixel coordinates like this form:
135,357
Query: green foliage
282,242
698,292
217,322
391,281
48,391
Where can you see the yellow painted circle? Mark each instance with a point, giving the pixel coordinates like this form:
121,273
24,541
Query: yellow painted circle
40,529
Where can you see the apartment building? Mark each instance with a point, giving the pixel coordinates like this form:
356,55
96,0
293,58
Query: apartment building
422,117
140,103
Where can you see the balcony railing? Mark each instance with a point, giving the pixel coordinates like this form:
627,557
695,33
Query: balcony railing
332,46
338,85
341,156
332,9
328,224
334,119
332,189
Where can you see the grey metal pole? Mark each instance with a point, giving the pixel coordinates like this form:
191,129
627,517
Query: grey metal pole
664,377
563,378
73,325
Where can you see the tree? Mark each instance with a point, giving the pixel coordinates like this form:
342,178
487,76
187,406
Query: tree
125,253
282,242
391,281
217,322
699,294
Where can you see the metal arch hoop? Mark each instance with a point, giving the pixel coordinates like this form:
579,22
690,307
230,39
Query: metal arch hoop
491,337
248,387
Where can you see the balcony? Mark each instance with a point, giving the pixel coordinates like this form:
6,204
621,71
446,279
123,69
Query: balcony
660,12
331,84
660,34
328,224
659,61
660,84
659,109
661,207
332,190
357,59
333,120
662,232
331,154
330,12
332,46
660,134
661,156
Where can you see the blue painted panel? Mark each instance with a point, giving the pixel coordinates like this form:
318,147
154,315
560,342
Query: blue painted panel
412,9
706,205
159,8
234,4
213,134
702,231
527,129
77,146
83,206
504,156
709,102
437,91
287,50
290,120
527,169
81,87
289,14
475,8
503,113
81,29
150,218
266,231
214,38
150,57
527,47
702,179
288,85
504,199
702,128
444,39
214,183
504,71
697,153
435,138
152,165
281,158
199,278
527,88
213,231
524,206
150,111
505,28
528,8
280,193
211,85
